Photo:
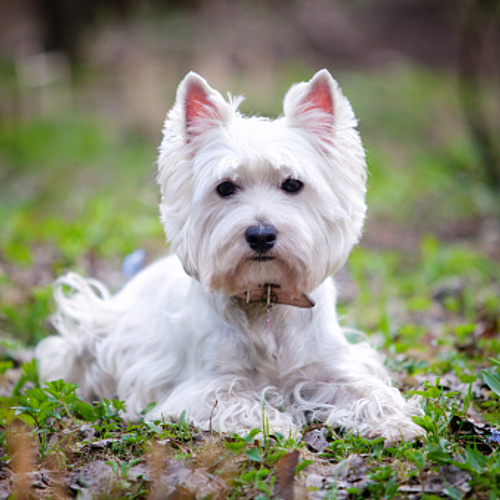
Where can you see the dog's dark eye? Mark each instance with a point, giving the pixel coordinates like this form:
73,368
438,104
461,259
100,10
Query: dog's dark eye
226,189
292,186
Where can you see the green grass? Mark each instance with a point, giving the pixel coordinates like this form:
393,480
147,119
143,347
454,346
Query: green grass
65,184
250,467
77,193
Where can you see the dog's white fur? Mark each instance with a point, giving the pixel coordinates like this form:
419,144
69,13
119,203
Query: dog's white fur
177,335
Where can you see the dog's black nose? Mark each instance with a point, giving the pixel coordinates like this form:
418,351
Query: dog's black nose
261,237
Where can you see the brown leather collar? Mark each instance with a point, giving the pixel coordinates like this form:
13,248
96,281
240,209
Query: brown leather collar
271,295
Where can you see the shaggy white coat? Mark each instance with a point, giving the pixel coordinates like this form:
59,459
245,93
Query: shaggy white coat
177,335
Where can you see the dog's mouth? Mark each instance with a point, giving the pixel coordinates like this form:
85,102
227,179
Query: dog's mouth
262,258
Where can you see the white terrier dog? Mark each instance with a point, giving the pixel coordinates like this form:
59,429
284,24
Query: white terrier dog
241,322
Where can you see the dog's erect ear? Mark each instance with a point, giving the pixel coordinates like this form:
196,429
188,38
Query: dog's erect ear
200,110
310,105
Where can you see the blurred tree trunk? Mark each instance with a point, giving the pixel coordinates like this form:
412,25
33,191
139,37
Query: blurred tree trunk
479,18
64,21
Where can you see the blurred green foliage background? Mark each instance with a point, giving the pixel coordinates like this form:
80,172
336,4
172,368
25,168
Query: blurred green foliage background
82,104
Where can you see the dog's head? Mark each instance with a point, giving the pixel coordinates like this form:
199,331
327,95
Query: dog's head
248,200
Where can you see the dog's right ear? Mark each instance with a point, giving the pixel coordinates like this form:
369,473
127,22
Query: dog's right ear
199,102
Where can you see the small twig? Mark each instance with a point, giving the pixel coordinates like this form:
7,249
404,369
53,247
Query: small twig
211,416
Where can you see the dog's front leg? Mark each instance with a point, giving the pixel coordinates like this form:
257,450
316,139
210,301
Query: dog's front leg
225,405
360,397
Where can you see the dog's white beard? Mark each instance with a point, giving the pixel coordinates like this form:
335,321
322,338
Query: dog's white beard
250,274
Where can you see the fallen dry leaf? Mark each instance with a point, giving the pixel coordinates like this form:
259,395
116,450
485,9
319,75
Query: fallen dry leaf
286,467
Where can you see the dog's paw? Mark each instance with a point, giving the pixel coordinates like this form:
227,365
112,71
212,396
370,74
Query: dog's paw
403,431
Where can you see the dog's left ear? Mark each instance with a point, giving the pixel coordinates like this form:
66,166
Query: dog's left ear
310,105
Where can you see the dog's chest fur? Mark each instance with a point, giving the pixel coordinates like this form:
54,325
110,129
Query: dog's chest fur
268,335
